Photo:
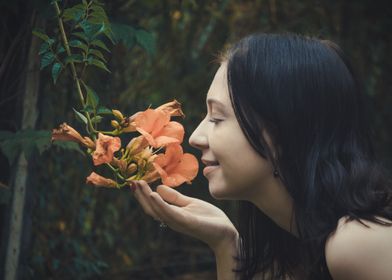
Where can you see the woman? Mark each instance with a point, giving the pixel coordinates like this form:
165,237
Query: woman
286,135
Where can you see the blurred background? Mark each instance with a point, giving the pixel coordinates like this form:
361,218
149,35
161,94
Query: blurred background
69,230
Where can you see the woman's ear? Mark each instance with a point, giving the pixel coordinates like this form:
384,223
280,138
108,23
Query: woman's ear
275,150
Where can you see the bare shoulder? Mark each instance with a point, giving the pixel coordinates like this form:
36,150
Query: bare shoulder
354,251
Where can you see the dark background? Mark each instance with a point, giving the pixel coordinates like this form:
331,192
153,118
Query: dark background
74,231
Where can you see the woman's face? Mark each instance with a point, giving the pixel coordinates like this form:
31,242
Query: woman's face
239,172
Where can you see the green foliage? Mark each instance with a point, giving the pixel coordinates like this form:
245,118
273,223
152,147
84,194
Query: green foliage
69,146
80,117
28,141
56,70
130,36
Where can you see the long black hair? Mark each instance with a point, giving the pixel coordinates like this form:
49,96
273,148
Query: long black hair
303,92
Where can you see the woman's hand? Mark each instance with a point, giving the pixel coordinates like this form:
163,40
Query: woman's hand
187,215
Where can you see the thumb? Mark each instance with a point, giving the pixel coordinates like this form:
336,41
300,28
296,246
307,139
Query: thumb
172,196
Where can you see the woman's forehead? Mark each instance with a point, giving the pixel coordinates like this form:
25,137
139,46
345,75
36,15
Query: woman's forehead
219,92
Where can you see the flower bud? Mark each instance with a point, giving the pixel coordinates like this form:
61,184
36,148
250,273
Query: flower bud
131,168
118,114
136,145
115,123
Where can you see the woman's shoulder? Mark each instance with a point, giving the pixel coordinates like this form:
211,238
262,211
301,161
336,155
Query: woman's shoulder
360,251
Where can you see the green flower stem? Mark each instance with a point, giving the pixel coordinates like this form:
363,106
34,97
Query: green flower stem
116,171
113,133
73,68
123,184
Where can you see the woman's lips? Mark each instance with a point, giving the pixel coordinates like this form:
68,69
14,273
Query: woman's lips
209,169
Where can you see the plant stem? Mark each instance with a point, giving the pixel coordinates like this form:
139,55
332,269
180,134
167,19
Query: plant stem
73,68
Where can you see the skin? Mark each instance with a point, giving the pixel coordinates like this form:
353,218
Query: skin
244,175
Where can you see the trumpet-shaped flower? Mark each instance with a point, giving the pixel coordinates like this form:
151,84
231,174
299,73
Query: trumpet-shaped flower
173,108
156,127
175,167
105,148
68,133
98,180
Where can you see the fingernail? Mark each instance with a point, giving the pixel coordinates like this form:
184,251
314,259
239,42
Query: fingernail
133,185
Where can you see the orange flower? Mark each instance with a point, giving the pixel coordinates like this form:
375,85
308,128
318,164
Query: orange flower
175,167
67,133
98,180
129,123
173,108
105,148
156,126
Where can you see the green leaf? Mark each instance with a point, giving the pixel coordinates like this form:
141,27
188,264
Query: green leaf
100,44
75,58
28,141
96,119
124,34
56,69
81,35
92,98
97,53
60,49
75,13
80,117
11,150
78,44
88,109
104,111
40,34
146,40
47,59
91,30
99,12
50,41
92,61
68,145
44,48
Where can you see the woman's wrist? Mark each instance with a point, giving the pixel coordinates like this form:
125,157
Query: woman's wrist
226,252
226,244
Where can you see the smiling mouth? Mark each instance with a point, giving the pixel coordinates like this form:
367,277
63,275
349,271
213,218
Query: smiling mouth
210,168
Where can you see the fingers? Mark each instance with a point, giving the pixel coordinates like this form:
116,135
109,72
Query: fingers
172,196
141,192
170,214
158,207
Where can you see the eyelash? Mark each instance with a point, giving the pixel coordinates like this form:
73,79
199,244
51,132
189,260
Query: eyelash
214,120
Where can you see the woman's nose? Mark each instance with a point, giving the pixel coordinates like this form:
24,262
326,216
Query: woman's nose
198,139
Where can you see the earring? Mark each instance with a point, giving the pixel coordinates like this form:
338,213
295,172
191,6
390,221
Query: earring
276,173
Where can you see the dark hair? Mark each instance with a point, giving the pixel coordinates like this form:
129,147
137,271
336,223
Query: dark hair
302,91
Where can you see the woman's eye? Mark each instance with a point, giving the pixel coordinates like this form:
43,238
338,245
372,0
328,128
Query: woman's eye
214,120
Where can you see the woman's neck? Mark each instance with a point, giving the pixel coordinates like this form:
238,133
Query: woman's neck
274,200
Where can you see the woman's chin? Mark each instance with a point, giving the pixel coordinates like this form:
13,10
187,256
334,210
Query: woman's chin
218,192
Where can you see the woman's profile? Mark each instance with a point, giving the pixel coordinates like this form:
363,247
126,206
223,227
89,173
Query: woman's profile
286,134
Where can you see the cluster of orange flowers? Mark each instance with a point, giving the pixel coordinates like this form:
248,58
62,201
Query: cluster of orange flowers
138,160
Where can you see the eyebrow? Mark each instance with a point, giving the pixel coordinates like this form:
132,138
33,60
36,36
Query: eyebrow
215,101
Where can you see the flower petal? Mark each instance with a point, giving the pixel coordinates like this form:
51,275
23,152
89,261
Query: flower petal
98,180
173,130
187,168
152,121
105,148
173,108
174,167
